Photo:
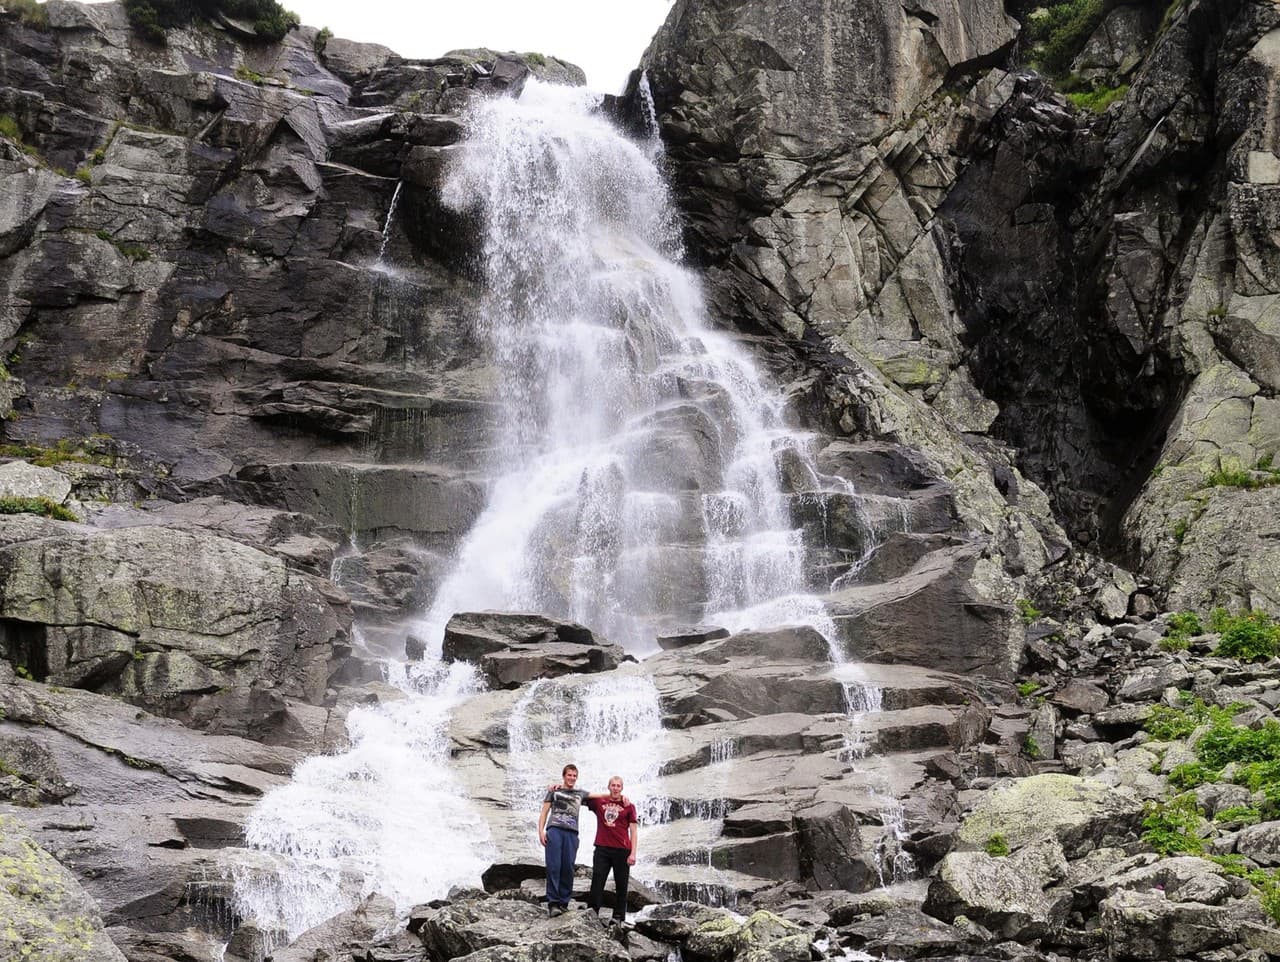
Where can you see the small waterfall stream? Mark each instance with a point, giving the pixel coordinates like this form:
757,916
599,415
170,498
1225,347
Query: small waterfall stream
636,489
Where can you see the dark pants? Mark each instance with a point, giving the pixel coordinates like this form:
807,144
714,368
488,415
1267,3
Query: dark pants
605,859
562,850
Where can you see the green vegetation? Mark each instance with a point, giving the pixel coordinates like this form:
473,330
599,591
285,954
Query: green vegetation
1098,99
84,175
42,506
9,128
1182,627
1235,475
63,451
1028,611
322,40
151,18
538,59
1031,747
997,846
30,12
1026,688
1180,530
1269,896
1243,814
1173,828
1060,33
1250,636
1190,775
249,76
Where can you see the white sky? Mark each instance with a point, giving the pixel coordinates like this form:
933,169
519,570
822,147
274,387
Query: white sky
603,38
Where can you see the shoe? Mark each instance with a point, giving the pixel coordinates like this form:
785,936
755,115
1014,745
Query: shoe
555,910
622,923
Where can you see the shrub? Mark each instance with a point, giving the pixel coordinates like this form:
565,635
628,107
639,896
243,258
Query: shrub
9,128
997,846
42,506
1026,688
1174,827
1165,723
30,12
1061,33
84,175
1028,611
322,40
151,18
1239,813
1031,747
1191,774
249,76
1251,636
1270,899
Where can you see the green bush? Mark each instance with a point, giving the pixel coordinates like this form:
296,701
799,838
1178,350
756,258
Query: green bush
1165,723
30,12
152,18
9,128
1244,814
1190,775
1026,688
1250,636
1269,896
997,846
42,506
1174,827
1180,631
322,40
1061,33
1031,747
1028,611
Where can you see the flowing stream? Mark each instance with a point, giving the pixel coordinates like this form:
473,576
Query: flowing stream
635,489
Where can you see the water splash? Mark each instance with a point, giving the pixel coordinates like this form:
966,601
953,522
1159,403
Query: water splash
387,815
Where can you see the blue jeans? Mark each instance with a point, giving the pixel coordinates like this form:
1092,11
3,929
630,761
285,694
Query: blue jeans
562,851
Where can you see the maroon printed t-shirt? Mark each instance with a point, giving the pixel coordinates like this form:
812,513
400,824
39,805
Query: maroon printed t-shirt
613,822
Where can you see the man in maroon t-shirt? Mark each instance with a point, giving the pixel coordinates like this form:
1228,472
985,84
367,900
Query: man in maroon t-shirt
617,832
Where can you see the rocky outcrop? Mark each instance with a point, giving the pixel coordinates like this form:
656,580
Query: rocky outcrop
510,649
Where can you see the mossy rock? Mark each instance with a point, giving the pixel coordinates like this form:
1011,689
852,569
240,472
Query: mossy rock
44,913
763,937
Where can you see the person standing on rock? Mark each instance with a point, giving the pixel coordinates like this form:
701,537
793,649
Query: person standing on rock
558,832
617,834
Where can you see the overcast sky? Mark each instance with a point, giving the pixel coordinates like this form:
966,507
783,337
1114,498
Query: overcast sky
603,38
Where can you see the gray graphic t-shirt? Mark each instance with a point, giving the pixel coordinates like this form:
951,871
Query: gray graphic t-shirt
565,803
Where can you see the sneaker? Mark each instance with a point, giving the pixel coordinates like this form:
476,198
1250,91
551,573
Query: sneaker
622,923
554,910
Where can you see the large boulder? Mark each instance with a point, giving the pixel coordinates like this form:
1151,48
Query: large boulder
1078,813
1005,894
163,617
511,929
512,648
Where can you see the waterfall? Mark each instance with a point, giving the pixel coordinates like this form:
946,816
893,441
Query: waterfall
635,488
637,481
386,227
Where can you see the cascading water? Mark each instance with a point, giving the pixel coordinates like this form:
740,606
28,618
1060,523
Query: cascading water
386,227
637,469
636,490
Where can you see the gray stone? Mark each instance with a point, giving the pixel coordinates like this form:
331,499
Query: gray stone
18,479
512,648
1080,697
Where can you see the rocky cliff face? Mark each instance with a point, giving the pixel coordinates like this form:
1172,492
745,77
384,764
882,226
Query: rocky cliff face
1085,290
241,351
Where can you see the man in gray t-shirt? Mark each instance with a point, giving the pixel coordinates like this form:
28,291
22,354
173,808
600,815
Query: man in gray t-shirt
558,832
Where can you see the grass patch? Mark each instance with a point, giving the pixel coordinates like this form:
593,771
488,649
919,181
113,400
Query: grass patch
1250,636
1028,611
1244,814
30,12
84,175
1099,99
42,506
249,76
997,846
63,451
1026,688
9,127
1234,475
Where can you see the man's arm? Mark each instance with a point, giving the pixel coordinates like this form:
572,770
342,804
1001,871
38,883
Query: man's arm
635,840
542,823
